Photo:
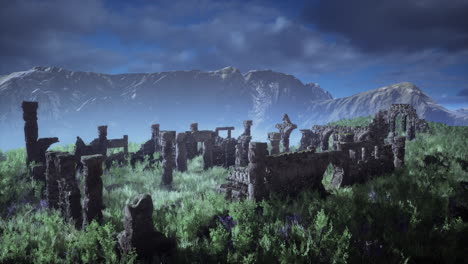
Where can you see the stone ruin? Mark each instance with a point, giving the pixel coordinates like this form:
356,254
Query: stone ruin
357,155
35,147
285,130
224,150
242,146
149,148
100,145
92,202
167,153
139,233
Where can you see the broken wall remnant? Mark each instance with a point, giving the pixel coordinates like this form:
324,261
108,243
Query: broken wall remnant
35,148
398,148
285,130
92,203
242,146
206,137
139,232
257,170
274,138
69,193
192,144
100,145
181,152
167,141
224,149
51,176
309,140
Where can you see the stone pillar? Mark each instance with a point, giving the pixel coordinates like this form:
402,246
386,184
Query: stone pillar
411,130
31,130
167,141
102,133
274,138
229,133
285,130
139,232
247,126
100,145
377,152
364,154
257,170
230,152
52,189
398,149
125,137
208,153
194,127
155,136
181,150
35,148
306,139
92,203
70,197
242,151
191,145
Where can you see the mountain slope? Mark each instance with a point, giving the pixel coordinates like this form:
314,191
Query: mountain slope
369,102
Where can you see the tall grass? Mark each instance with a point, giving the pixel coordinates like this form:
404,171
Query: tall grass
402,217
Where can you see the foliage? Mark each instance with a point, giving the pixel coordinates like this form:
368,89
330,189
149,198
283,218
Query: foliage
358,121
403,217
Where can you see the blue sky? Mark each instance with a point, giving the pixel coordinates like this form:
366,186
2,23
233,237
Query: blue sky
345,46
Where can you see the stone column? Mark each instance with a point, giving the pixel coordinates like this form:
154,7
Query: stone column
70,197
52,189
364,154
257,170
242,151
230,152
194,127
247,126
100,145
285,130
191,145
274,138
167,140
398,149
92,203
31,130
35,148
181,152
139,232
411,130
125,137
208,153
155,137
377,152
305,139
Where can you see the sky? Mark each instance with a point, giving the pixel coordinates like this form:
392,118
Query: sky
345,46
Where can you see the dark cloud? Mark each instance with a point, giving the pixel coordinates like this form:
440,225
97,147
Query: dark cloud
463,93
397,25
52,32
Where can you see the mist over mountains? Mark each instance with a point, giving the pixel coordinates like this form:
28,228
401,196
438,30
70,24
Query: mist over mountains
73,103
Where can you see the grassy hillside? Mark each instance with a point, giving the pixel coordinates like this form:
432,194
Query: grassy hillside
413,215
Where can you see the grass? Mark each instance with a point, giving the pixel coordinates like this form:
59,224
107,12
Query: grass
402,217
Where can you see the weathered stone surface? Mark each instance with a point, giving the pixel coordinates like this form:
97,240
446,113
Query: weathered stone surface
52,189
181,151
38,172
139,233
274,138
247,127
35,148
191,145
92,203
398,148
285,130
167,141
228,129
257,170
194,127
69,193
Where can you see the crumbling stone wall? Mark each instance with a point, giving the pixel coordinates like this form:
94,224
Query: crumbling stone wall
309,140
242,146
52,177
206,137
274,138
35,148
92,203
285,130
224,149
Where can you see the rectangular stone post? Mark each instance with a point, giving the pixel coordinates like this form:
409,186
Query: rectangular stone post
92,204
257,170
181,150
70,197
398,149
167,141
275,139
52,189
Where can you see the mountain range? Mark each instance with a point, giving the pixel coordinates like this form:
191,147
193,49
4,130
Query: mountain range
73,103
